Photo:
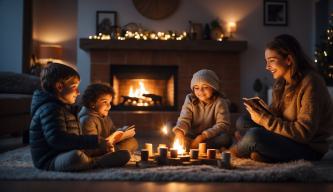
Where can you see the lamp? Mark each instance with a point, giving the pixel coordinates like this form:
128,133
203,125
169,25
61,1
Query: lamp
232,26
50,53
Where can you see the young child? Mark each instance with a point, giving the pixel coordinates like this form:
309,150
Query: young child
205,115
95,119
55,139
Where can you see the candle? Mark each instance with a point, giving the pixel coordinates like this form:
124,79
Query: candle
202,149
144,154
173,153
149,147
163,151
211,153
226,159
194,153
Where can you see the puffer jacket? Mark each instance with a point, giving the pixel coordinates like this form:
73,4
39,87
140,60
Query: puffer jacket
54,129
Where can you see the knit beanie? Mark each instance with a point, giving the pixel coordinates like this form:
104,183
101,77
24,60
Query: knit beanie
208,77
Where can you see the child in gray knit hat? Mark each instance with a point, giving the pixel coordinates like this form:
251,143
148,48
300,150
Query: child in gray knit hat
205,115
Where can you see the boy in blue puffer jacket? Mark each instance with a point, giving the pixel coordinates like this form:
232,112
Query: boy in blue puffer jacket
56,141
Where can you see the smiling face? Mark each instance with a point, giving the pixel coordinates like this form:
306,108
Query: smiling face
277,65
203,91
103,105
68,91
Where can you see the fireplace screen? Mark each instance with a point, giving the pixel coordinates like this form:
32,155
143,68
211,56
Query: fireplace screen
142,87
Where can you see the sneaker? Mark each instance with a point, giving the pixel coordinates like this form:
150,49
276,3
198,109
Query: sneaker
114,159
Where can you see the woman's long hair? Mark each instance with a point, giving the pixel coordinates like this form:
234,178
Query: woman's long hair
287,45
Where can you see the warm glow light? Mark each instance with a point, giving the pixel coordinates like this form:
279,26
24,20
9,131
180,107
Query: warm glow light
179,147
232,27
138,93
164,130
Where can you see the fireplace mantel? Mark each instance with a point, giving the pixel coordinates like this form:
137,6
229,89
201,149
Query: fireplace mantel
159,45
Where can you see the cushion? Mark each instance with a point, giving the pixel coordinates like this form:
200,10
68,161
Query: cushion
14,104
11,82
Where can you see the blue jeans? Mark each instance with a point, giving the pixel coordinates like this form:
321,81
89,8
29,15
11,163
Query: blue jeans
217,142
274,147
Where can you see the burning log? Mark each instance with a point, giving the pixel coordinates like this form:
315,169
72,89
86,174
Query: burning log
129,99
156,98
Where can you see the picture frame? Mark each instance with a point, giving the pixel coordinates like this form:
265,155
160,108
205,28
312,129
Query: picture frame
275,13
106,22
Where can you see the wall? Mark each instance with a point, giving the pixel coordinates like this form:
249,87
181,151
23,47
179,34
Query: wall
247,14
54,22
11,22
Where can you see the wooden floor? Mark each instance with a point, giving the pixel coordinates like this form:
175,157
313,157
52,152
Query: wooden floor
109,186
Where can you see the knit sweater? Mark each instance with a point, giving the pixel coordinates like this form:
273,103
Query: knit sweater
209,119
307,114
91,123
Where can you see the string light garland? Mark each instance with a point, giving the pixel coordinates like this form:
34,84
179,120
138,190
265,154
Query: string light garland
146,36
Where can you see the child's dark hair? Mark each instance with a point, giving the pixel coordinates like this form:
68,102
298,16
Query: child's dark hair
94,91
56,72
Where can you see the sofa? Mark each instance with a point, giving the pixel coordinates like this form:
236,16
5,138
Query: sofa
15,99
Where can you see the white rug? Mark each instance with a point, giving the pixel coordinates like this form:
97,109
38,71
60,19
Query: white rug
17,165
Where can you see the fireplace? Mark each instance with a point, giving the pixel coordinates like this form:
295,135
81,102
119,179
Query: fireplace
139,87
149,60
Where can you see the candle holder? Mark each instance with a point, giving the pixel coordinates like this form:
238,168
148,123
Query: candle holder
194,153
144,154
163,155
211,153
173,153
226,159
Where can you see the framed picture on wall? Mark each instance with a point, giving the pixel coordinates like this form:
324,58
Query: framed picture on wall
276,12
106,22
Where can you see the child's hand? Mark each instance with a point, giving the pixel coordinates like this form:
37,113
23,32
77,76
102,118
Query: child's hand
110,148
196,141
131,132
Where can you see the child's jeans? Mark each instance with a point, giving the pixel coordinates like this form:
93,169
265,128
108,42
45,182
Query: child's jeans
78,160
222,140
273,146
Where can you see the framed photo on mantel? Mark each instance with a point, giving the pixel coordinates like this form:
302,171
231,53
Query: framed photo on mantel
275,13
106,22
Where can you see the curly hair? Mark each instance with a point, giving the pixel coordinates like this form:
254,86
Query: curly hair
95,91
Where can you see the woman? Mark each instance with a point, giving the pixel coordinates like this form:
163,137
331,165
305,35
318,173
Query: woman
301,117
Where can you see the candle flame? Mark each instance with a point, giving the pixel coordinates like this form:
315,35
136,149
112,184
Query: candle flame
165,130
179,147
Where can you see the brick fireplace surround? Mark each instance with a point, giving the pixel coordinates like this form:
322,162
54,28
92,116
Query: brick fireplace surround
189,56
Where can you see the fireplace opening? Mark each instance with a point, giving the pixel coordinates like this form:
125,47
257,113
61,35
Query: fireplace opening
144,87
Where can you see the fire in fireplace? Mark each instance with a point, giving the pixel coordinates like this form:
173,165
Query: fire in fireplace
144,87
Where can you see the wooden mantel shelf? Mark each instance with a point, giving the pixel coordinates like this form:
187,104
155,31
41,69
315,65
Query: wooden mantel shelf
159,45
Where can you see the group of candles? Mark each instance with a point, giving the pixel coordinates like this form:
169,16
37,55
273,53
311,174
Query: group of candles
162,152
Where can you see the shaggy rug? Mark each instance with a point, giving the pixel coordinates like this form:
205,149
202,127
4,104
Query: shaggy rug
17,165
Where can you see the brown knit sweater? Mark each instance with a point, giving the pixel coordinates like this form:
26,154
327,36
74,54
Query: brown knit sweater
307,115
209,119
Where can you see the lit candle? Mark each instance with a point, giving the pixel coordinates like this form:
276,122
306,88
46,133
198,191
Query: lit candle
149,147
164,130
